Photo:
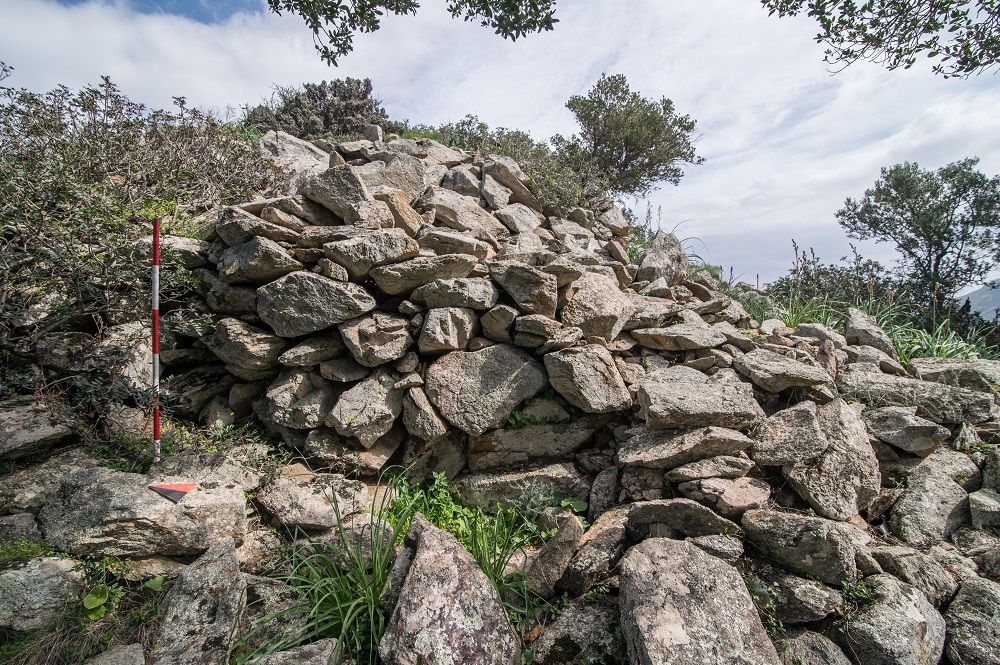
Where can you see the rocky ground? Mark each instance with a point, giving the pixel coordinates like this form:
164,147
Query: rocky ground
755,494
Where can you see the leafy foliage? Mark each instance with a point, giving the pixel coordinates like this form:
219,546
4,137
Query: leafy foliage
944,224
329,109
81,176
963,37
334,23
633,142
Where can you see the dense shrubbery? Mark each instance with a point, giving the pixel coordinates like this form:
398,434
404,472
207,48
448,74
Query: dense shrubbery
82,174
333,110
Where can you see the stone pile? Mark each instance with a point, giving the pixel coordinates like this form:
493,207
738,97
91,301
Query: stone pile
412,304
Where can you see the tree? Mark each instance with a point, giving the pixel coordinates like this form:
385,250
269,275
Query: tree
334,22
944,224
633,142
962,35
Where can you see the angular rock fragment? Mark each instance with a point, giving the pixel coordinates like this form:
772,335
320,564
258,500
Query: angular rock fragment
667,449
368,410
674,405
587,377
377,248
378,338
972,620
447,329
37,592
596,306
533,290
774,372
810,546
789,436
901,427
679,337
249,352
402,278
337,189
304,302
257,261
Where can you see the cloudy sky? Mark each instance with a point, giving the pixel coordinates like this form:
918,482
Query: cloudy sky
784,140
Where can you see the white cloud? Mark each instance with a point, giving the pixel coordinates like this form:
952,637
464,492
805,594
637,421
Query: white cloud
785,141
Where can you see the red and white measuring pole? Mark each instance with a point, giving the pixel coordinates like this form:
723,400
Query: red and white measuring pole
156,340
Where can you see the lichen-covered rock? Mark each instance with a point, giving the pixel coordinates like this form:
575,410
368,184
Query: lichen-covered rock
596,306
683,515
369,250
402,278
249,352
900,626
931,507
679,337
461,213
533,290
774,372
667,405
920,570
681,605
368,409
789,436
201,609
861,329
476,391
474,292
730,497
447,329
667,449
600,550
378,338
104,512
257,261
36,593
810,546
720,466
237,227
805,646
506,488
583,633
309,503
844,478
506,448
447,611
972,620
304,302
588,378
337,189
29,426
901,427
665,258
548,566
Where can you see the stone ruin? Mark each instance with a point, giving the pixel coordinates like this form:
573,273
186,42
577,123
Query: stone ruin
411,304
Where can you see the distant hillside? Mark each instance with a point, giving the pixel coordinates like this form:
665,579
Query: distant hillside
986,299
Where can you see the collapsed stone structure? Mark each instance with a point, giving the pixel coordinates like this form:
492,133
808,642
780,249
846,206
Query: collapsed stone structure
408,303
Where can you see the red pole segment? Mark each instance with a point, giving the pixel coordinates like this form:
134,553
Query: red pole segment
156,339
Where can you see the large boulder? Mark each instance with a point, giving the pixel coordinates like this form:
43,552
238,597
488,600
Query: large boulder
368,409
665,259
774,372
596,306
363,252
249,352
402,278
588,378
845,477
810,546
200,611
476,391
103,512
29,426
668,449
681,605
672,405
789,436
304,302
337,189
295,155
931,507
899,626
447,611
37,593
972,620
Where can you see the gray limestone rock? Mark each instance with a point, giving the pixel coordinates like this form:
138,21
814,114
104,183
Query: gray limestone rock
813,648
587,377
932,506
293,154
796,599
507,172
596,306
900,626
201,609
123,654
584,632
548,566
679,337
789,436
845,477
37,593
684,515
978,375
368,410
309,503
665,259
447,610
444,241
937,402
721,466
256,262
810,546
402,278
29,426
377,338
403,172
507,448
682,605
672,405
984,507
730,497
920,570
304,302
420,418
248,351
476,391
600,550
237,227
668,449
337,189
533,290
518,218
507,487
972,620
104,512
901,427
370,250
313,351
461,213
774,372
447,329
861,329
475,293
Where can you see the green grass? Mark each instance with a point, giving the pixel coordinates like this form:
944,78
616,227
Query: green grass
24,549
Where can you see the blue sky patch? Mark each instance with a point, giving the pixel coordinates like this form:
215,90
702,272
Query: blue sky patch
203,11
